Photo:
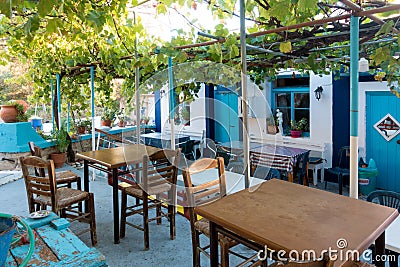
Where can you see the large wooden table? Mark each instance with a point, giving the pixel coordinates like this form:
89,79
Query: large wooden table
287,216
109,160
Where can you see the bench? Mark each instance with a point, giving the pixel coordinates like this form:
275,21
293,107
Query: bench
55,245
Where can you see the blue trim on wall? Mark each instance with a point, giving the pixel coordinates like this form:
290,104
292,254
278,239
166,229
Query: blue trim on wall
340,115
157,110
210,123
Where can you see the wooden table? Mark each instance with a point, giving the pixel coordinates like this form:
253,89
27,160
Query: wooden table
287,216
109,160
55,247
276,156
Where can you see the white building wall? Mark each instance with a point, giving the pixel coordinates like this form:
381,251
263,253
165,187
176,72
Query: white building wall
197,116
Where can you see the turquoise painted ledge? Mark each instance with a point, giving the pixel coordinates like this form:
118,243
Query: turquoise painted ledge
14,137
116,130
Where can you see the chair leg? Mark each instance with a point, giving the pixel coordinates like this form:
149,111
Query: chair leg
158,213
195,248
340,181
124,200
171,215
146,220
79,187
93,232
224,255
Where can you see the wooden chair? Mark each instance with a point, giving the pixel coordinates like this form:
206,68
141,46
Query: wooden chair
155,188
63,177
42,192
202,194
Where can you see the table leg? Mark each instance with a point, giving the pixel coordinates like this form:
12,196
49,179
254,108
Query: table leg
290,176
86,181
115,205
380,250
213,245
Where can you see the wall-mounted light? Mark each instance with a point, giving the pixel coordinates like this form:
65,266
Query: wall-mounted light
162,93
363,65
318,92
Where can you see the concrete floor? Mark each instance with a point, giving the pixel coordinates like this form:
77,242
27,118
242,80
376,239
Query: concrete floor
130,251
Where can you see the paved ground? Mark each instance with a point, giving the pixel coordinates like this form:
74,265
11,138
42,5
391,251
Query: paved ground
130,252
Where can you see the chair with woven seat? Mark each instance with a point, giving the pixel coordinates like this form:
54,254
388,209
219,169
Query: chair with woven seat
155,188
202,194
63,177
389,199
42,192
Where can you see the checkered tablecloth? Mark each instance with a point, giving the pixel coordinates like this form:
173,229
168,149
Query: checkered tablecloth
277,157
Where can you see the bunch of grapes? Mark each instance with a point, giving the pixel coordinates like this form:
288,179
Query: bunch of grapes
380,75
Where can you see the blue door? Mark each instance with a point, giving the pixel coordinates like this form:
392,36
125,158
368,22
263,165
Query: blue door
226,116
382,135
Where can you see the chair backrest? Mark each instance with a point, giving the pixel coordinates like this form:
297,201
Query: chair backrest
344,157
208,191
160,168
38,185
35,151
208,149
386,198
188,149
301,165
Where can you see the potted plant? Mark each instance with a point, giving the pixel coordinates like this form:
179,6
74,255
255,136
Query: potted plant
82,126
60,138
122,118
297,127
108,116
13,111
145,120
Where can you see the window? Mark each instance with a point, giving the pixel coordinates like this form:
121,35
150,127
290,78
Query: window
292,97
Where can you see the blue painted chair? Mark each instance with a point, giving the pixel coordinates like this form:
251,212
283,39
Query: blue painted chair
342,169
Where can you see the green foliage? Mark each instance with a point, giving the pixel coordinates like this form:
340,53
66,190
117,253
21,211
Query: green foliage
110,110
300,125
60,139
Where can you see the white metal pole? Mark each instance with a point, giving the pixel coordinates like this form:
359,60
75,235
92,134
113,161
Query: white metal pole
244,94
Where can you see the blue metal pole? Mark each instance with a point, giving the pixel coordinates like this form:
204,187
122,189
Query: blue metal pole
68,116
58,79
171,102
52,104
354,51
92,106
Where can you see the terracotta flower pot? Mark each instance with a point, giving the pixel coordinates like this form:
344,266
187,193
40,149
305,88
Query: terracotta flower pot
106,123
295,133
81,129
272,129
8,113
121,123
58,158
